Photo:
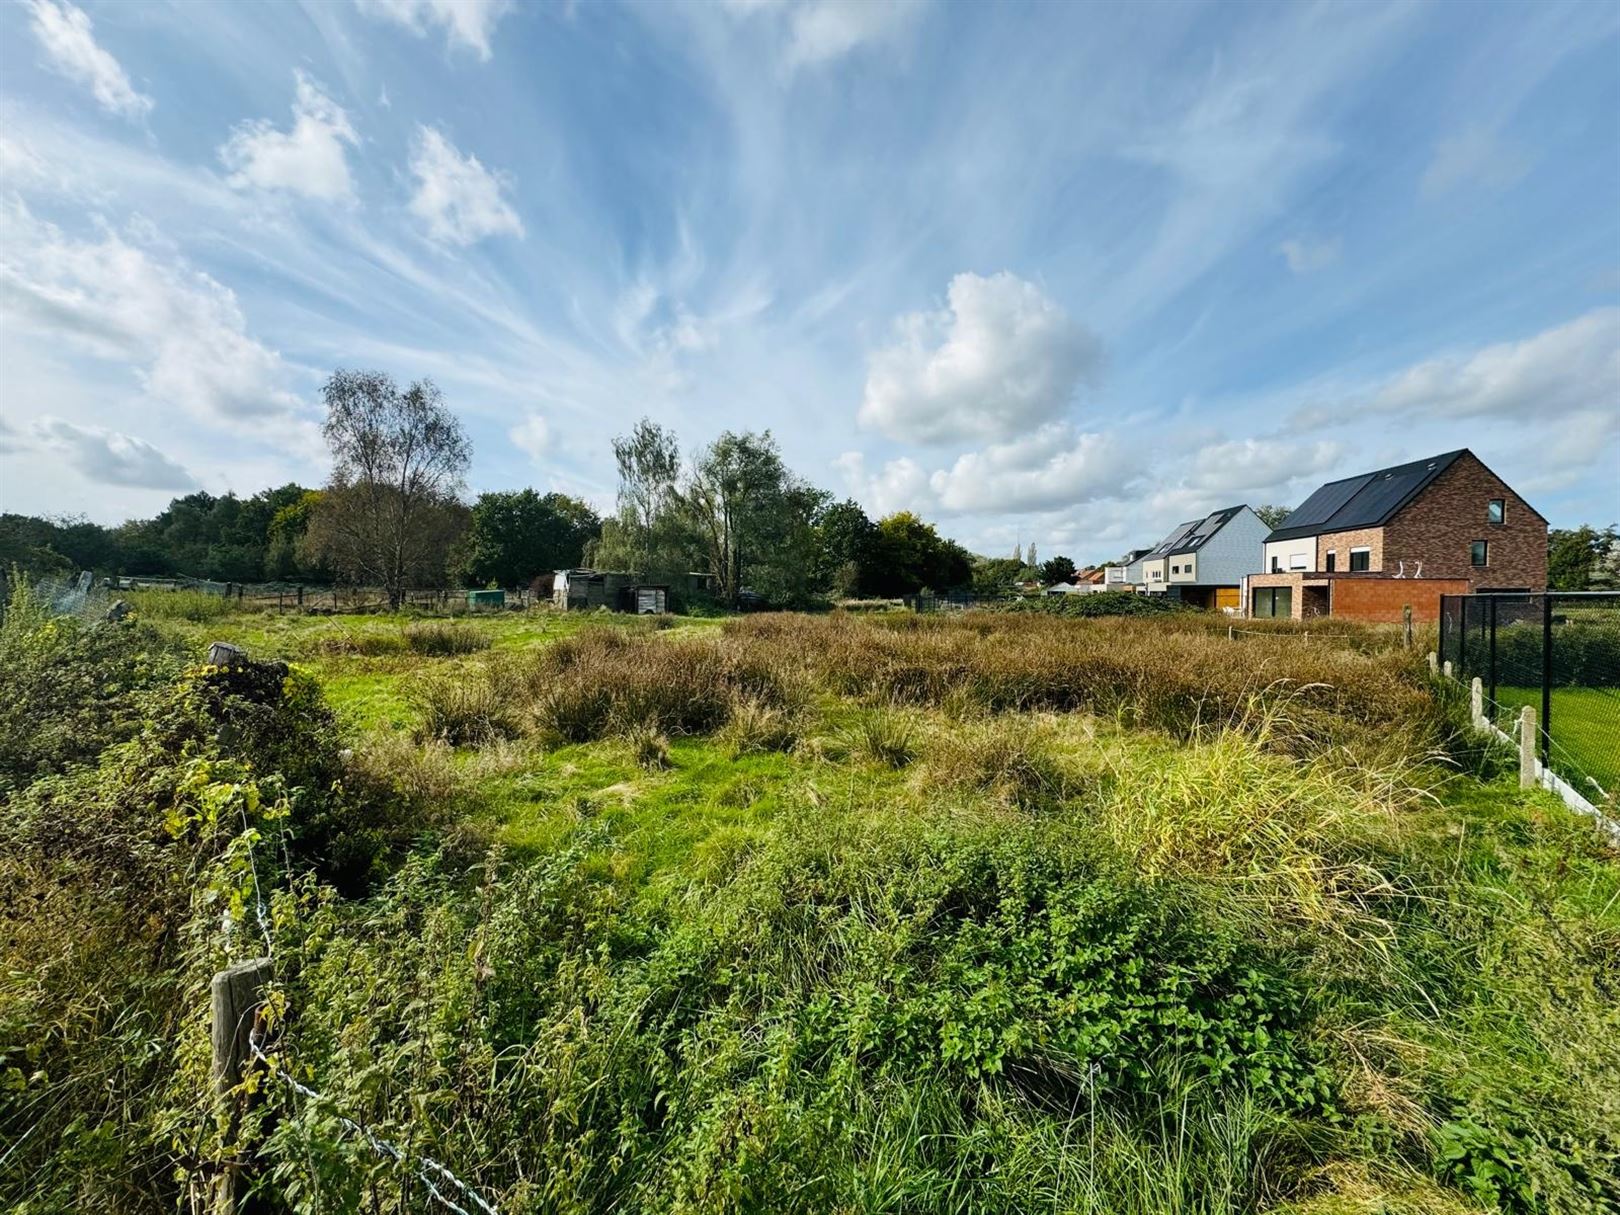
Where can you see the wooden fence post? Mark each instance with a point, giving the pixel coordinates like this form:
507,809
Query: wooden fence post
1527,748
1406,624
1476,703
236,992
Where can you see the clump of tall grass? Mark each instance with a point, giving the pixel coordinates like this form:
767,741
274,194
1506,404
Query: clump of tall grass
429,638
755,728
1009,759
605,681
882,736
466,706
199,607
648,746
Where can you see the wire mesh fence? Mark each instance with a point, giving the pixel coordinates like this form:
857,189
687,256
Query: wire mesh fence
1559,653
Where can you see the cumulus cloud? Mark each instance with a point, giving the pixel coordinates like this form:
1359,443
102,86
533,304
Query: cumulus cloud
1259,464
1000,358
820,31
899,485
459,200
466,23
1567,369
182,331
113,458
532,435
1475,158
1050,469
64,31
1053,468
309,159
1306,256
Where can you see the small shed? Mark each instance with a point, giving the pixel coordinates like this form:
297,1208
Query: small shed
578,590
644,599
486,599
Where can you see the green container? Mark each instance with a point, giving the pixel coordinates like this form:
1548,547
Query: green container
489,599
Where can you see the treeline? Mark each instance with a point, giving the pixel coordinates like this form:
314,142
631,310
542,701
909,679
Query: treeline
393,514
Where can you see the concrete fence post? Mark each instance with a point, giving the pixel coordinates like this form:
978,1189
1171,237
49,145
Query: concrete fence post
1476,703
1527,748
1434,663
1445,668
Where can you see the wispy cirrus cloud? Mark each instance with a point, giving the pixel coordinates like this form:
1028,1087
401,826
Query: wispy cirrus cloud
468,24
66,34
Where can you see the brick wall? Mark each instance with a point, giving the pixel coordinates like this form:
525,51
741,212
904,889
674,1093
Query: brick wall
1383,599
1342,542
1439,525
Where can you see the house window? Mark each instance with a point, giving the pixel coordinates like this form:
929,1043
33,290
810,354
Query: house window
1495,512
1479,553
1332,561
1360,560
1276,565
1296,561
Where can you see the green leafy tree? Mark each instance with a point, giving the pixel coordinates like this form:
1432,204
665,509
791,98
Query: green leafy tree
1272,516
1057,569
997,575
516,535
843,559
649,461
1581,558
753,518
390,513
909,555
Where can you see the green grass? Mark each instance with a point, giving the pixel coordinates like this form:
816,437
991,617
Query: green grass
1585,731
971,915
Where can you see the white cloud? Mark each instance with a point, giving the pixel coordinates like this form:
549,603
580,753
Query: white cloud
112,458
1001,357
64,31
900,485
466,23
1259,464
1475,158
11,439
532,435
309,159
460,201
1568,369
1053,468
1050,469
1305,256
819,31
182,331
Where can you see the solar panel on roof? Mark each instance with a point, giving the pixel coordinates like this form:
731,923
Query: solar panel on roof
1325,502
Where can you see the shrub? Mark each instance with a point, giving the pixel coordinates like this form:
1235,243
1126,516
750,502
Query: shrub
1098,603
69,689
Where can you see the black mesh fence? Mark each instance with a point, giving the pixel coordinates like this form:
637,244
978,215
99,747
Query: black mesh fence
1557,652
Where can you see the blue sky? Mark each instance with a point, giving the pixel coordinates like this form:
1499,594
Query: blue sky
1066,272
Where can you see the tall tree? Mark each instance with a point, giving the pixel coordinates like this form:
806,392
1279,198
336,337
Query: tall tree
1058,569
514,536
1577,558
908,555
1031,558
753,518
649,461
1272,516
390,512
843,548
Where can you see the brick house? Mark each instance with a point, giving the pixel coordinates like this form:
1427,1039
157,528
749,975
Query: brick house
1371,545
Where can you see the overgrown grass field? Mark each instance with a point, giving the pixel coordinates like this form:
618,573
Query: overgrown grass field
877,913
